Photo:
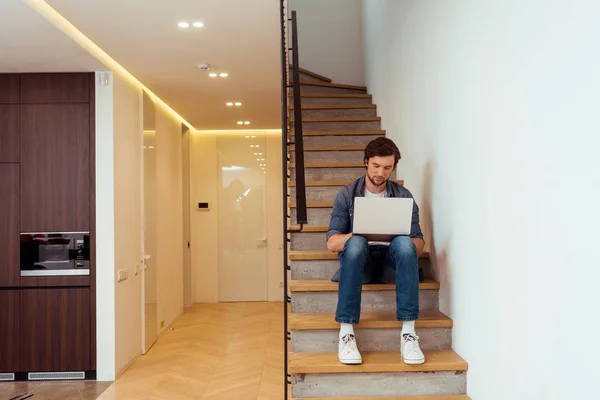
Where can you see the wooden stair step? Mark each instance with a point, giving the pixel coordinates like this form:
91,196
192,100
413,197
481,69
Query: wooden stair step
339,119
437,397
356,164
335,106
329,286
378,320
335,95
331,183
330,148
378,361
325,255
314,204
341,133
331,85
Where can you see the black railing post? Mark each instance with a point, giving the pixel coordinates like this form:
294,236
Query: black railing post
284,150
301,214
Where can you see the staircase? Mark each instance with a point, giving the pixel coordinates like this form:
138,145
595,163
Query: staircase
338,121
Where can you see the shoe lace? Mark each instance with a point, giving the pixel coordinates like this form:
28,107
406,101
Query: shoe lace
347,342
410,338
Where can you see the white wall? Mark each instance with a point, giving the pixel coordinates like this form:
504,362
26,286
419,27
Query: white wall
204,224
494,107
127,118
105,233
330,38
169,217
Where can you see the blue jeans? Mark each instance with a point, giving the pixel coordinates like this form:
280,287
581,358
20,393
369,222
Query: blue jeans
361,263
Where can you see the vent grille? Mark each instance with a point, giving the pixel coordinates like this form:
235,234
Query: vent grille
7,377
45,376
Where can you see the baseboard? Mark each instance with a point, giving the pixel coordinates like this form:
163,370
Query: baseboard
126,366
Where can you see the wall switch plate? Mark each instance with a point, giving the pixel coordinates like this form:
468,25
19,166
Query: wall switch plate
122,275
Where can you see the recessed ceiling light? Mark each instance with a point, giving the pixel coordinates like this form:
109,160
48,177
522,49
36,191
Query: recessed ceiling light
198,24
262,159
223,75
248,123
255,154
258,159
212,75
257,146
183,25
230,104
260,154
240,123
238,104
251,136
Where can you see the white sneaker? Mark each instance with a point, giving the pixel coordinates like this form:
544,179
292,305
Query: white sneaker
347,351
410,350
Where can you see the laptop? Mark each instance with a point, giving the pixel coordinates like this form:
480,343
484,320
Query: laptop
382,218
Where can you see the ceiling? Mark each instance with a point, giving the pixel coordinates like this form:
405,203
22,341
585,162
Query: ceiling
29,43
240,37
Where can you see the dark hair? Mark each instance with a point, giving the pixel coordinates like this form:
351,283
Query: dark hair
382,147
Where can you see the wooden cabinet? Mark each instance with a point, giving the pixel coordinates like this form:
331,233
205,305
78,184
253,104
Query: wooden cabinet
55,329
9,226
55,88
9,89
9,133
9,326
55,168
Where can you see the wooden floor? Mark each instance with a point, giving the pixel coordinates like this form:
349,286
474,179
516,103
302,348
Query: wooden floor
214,352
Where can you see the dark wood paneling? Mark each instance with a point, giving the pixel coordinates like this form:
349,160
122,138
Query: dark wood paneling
9,132
93,218
55,168
55,329
55,88
48,281
9,226
9,328
9,89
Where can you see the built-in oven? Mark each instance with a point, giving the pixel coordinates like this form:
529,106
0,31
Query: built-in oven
55,253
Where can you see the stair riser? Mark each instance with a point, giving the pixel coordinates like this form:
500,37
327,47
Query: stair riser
305,77
372,300
330,156
318,193
325,269
339,126
369,339
330,174
308,241
316,216
326,89
331,140
340,112
379,384
313,101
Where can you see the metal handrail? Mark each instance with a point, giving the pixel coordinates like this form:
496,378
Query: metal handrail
301,214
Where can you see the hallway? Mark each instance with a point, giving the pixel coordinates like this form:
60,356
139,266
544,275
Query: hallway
214,352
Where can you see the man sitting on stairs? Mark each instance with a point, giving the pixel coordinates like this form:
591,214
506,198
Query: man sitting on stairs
372,262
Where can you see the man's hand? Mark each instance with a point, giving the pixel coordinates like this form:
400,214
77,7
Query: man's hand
336,242
419,244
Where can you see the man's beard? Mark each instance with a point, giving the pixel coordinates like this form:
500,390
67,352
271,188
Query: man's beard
383,181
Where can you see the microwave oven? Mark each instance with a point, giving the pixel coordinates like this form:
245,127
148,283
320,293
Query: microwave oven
55,253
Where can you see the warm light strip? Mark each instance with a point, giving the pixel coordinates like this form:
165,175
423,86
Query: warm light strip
87,44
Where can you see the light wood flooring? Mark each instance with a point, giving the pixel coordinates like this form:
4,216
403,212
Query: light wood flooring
214,352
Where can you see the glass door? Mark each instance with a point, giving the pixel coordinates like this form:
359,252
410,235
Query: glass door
242,169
